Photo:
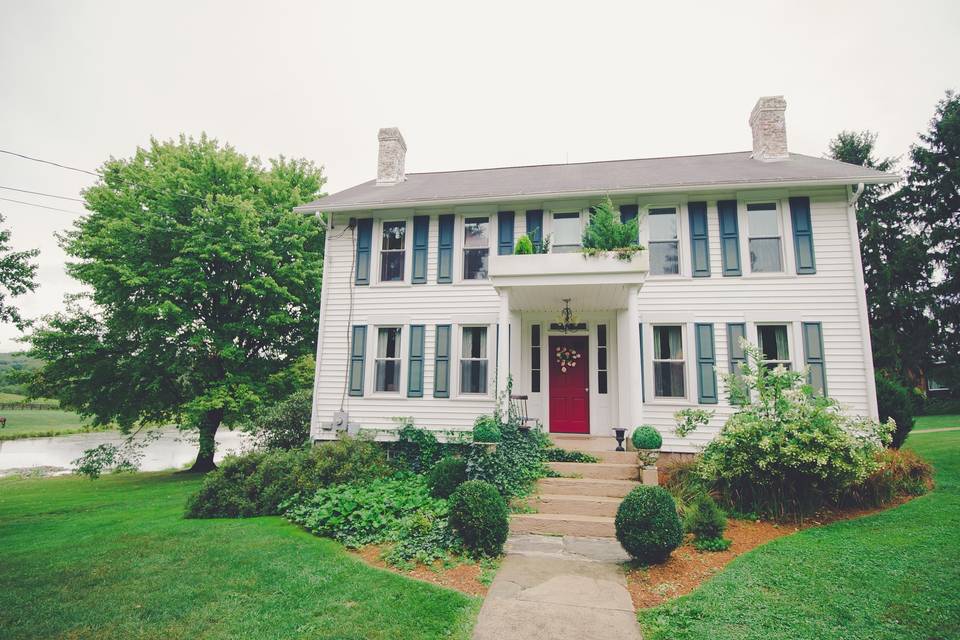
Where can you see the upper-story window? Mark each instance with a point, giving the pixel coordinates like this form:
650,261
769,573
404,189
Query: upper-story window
566,232
763,219
392,251
387,363
668,368
774,345
476,248
664,247
473,360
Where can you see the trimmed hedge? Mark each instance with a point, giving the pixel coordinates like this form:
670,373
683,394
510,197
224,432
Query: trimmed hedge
448,474
646,437
479,515
647,524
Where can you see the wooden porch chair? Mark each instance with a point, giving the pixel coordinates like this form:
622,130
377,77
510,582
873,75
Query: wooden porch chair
518,408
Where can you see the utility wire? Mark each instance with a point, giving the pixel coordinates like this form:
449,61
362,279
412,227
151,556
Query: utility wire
40,193
50,162
43,206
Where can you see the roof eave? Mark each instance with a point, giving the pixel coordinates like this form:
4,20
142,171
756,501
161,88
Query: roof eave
882,178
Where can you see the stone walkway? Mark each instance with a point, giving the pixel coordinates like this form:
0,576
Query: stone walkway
557,588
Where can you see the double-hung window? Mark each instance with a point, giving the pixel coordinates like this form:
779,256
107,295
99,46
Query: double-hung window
763,220
566,232
387,362
392,251
668,367
476,248
664,247
774,345
473,360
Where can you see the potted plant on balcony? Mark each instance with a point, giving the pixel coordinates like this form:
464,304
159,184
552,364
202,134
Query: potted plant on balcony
606,233
647,441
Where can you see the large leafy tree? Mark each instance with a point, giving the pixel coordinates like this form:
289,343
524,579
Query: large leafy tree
17,276
896,267
203,285
932,194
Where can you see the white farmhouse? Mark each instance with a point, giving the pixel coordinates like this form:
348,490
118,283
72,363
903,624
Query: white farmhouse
426,311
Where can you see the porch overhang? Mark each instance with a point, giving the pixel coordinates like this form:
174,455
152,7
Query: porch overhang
541,282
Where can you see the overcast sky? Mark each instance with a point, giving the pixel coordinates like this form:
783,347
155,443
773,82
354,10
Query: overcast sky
499,83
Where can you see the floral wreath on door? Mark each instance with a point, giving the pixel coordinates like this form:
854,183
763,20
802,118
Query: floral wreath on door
566,358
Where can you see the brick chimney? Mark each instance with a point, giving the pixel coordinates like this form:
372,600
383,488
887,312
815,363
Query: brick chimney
769,129
393,151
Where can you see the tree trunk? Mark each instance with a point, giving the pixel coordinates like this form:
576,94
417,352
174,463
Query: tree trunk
208,444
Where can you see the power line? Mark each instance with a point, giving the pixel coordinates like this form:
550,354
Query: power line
50,162
40,193
43,206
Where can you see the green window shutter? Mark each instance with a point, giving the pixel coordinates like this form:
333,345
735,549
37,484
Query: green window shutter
421,235
643,391
699,242
441,363
706,361
802,235
358,347
813,353
735,352
535,226
415,370
505,233
729,237
445,249
364,244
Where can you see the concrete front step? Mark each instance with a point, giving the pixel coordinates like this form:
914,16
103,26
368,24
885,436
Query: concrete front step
563,524
598,470
589,444
586,487
577,505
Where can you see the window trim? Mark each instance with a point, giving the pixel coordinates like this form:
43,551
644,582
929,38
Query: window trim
399,359
380,251
678,210
460,242
747,237
491,345
683,327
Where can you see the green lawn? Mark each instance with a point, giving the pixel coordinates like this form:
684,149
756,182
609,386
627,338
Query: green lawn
30,423
892,575
115,559
936,422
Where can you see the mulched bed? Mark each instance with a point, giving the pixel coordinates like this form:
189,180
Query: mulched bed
463,577
687,568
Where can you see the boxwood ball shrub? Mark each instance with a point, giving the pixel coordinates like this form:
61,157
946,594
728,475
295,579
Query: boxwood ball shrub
486,429
479,515
646,437
647,524
448,474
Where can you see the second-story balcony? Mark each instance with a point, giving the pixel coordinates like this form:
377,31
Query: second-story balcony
600,281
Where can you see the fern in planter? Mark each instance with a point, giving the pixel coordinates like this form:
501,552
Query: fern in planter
606,233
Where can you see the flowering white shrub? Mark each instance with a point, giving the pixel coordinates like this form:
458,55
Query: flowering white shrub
786,452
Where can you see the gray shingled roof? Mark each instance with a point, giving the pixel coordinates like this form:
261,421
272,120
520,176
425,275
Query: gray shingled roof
596,179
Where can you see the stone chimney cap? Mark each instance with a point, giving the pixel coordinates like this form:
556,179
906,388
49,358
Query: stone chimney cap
391,133
769,127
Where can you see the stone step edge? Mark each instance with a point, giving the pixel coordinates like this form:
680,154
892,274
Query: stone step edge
578,498
632,483
559,517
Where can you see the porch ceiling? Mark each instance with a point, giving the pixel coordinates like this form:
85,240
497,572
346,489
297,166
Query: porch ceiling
583,297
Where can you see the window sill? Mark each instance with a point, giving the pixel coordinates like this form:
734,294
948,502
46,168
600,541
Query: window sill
473,283
392,285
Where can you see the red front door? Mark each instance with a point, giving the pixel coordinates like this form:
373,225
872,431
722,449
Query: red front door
569,385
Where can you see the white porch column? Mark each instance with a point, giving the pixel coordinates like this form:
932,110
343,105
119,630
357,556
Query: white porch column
628,363
503,342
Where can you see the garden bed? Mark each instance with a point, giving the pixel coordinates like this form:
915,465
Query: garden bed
466,576
687,568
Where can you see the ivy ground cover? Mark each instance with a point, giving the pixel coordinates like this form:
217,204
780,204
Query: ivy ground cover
116,559
892,575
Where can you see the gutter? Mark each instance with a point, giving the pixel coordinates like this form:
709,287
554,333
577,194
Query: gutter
844,182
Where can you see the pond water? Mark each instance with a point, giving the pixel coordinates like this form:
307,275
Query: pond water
173,450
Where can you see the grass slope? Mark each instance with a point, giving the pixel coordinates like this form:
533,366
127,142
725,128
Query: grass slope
115,559
895,574
936,422
30,423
